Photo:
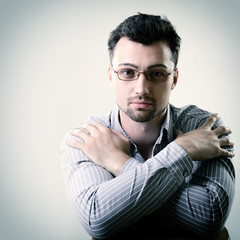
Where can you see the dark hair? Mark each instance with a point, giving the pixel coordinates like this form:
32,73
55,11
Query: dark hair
146,29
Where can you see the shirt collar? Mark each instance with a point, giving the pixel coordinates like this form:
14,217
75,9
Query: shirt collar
115,122
168,124
167,127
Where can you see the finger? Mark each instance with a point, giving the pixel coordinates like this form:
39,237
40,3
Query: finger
91,128
225,142
210,121
81,133
74,143
226,153
222,130
100,126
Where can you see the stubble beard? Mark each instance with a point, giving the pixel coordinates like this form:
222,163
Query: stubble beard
141,115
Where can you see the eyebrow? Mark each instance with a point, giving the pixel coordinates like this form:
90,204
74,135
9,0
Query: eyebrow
128,64
149,67
157,65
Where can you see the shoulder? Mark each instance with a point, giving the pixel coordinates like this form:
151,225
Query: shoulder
190,117
104,120
64,148
189,111
108,120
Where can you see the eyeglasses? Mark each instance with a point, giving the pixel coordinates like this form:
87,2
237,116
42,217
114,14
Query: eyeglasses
128,74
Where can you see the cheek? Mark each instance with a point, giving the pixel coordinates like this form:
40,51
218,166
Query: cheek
162,93
120,92
121,87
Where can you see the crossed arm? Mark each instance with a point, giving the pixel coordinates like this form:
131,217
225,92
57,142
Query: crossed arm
105,203
201,144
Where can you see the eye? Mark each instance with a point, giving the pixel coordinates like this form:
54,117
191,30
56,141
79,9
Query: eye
157,74
127,72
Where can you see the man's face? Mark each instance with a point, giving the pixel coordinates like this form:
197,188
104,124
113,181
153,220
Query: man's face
142,100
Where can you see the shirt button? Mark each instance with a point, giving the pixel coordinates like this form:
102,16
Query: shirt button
185,173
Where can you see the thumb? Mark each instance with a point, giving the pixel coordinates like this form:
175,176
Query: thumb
177,133
210,121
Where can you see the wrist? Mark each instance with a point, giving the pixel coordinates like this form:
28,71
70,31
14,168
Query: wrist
187,147
119,163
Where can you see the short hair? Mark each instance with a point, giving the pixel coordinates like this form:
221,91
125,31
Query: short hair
146,29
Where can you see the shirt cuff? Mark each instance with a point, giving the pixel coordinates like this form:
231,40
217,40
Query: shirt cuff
176,160
130,164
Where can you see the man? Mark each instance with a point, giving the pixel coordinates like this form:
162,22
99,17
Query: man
148,162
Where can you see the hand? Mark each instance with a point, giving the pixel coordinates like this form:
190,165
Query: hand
105,147
204,143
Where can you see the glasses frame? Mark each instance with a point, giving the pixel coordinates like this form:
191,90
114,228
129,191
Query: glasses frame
145,73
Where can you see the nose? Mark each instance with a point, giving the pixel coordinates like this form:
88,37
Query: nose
142,85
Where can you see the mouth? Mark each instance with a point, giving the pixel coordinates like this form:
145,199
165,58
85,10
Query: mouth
141,104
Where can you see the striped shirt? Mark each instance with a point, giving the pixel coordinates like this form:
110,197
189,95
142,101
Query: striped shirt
193,195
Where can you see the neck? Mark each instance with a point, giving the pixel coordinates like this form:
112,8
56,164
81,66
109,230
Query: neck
144,134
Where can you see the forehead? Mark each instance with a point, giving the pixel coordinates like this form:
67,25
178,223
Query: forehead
127,51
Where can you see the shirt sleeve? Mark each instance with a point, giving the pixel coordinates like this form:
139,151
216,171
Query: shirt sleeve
203,202
202,205
105,204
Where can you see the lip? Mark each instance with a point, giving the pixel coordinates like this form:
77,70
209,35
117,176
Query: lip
141,104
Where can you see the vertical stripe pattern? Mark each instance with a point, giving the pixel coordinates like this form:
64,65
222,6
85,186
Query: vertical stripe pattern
197,196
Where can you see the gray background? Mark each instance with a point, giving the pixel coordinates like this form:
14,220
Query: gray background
53,73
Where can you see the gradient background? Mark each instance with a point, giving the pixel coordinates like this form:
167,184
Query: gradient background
53,73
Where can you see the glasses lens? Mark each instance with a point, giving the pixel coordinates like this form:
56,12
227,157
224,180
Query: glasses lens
157,76
127,74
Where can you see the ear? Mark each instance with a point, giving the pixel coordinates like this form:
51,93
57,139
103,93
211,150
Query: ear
175,79
110,74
